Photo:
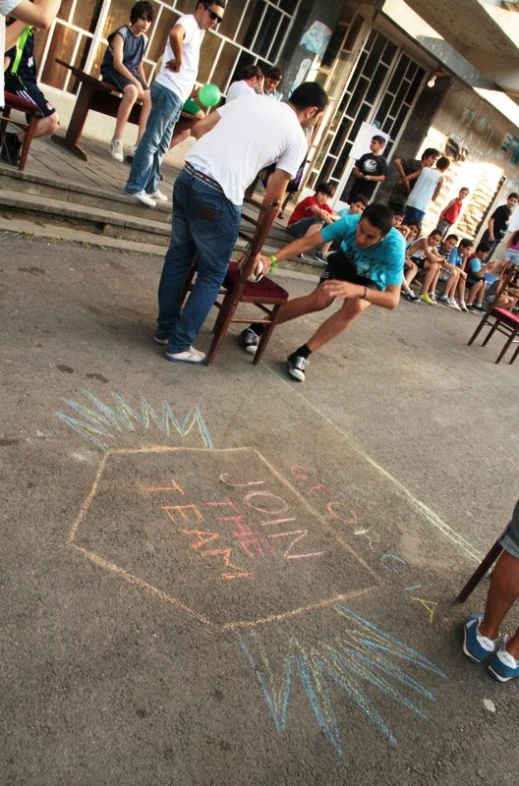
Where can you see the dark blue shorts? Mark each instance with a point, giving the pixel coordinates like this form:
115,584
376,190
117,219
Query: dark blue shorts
113,77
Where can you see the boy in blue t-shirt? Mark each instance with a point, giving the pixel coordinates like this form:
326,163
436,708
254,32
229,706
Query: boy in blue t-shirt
367,270
122,68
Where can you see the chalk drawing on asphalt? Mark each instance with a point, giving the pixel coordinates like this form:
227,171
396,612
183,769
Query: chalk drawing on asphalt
101,423
359,660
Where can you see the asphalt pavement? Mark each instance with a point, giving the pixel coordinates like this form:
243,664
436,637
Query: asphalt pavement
218,575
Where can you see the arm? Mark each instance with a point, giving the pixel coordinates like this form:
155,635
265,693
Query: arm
140,69
437,189
118,49
389,298
12,34
40,13
205,125
328,218
357,173
375,178
413,176
176,40
491,229
399,168
276,186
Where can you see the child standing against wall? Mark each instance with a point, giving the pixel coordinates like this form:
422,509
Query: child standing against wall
452,212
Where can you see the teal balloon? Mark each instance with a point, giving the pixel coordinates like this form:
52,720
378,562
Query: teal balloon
209,95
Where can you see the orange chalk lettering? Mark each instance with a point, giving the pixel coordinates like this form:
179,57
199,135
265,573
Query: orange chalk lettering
204,537
182,511
174,487
236,572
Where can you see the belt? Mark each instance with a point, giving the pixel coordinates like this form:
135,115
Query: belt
202,176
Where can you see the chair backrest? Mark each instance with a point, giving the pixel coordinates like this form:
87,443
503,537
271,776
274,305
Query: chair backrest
263,224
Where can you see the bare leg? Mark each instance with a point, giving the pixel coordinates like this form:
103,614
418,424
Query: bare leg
338,322
461,287
475,290
503,592
431,270
130,95
44,127
410,273
145,113
307,304
434,282
452,283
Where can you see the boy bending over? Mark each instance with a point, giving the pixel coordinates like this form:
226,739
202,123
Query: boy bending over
367,270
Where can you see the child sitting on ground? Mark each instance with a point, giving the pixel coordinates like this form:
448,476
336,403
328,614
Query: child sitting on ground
449,273
451,213
122,68
458,257
423,255
311,213
476,269
21,79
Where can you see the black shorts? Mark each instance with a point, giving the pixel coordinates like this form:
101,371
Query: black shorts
119,81
33,94
419,262
341,268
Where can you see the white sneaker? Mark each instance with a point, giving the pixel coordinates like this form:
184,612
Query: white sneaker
463,306
433,297
117,150
145,198
190,355
452,303
159,196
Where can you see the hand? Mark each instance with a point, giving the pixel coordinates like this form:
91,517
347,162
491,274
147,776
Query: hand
173,65
463,274
342,289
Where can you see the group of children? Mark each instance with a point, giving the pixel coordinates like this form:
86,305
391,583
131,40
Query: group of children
469,280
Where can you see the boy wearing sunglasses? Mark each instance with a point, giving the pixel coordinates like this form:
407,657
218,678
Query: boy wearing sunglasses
171,88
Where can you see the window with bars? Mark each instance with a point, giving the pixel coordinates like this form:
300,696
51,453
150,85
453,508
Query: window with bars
252,31
381,91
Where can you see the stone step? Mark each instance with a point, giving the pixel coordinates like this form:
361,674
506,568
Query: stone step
98,221
66,191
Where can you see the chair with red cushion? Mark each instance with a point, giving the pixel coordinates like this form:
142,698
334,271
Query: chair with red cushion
265,294
501,320
18,104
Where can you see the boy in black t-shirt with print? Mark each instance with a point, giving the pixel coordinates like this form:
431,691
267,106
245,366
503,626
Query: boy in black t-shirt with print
498,222
370,169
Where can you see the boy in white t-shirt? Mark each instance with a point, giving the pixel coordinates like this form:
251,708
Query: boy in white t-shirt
170,90
40,13
252,78
235,142
429,181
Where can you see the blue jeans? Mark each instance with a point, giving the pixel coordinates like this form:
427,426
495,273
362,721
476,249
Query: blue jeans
205,224
166,107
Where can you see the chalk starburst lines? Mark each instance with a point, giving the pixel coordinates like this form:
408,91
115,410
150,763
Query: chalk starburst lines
100,423
362,656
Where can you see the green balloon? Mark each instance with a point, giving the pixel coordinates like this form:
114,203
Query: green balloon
209,95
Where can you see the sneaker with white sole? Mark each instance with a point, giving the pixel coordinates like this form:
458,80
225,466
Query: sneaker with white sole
249,340
190,355
145,198
503,666
442,299
297,366
453,304
463,306
433,297
476,647
117,150
159,196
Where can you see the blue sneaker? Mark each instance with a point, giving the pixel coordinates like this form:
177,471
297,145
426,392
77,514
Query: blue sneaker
503,666
476,647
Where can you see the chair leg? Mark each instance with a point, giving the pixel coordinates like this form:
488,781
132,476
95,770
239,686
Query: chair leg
478,330
265,336
227,311
480,572
27,142
505,348
490,333
514,355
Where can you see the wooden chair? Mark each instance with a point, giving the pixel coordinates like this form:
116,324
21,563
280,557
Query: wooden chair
480,572
265,294
501,319
18,104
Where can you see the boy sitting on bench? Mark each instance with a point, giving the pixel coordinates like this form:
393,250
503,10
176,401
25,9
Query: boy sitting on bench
20,79
122,68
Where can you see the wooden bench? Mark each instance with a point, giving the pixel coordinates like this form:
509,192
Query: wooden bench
98,96
18,104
